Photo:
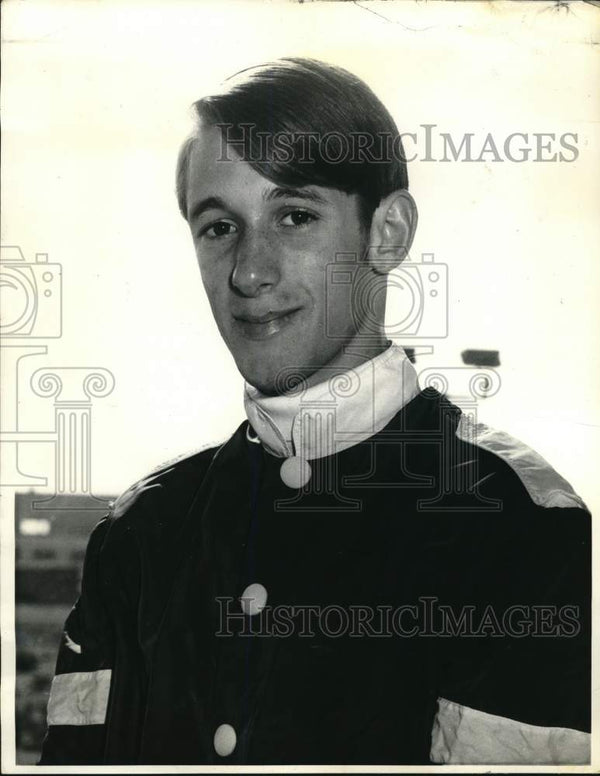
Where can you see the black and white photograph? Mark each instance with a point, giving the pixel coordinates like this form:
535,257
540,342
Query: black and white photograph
300,427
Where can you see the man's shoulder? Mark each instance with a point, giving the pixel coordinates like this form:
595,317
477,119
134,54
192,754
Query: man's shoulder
174,482
518,464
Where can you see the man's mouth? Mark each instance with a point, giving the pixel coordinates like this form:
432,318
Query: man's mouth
259,327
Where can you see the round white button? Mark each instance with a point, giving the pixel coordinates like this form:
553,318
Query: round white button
295,472
225,740
254,599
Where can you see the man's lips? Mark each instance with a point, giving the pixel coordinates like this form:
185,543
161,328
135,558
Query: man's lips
266,325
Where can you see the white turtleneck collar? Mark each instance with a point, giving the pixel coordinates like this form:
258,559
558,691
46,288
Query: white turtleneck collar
337,413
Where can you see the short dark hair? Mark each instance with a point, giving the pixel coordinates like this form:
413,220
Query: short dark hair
306,101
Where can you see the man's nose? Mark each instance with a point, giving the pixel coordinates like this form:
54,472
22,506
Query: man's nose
256,266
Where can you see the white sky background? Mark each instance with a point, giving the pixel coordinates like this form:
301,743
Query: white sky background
95,104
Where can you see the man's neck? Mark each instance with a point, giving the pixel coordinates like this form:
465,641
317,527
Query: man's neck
354,353
334,413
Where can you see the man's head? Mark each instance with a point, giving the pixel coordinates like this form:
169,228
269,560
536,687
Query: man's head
293,165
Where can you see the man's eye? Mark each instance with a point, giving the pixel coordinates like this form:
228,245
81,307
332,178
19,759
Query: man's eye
298,218
219,229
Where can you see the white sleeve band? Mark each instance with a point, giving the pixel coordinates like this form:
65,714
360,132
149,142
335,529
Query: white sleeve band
465,736
79,698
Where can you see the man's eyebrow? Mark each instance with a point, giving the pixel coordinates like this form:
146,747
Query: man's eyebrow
287,192
208,203
279,192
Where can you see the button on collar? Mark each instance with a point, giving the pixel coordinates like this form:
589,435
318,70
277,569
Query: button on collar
295,472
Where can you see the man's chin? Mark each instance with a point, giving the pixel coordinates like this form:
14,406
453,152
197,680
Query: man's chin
274,377
282,381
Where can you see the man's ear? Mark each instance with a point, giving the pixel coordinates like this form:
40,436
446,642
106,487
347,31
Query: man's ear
392,231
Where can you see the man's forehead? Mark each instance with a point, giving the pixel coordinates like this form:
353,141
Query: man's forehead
210,151
215,168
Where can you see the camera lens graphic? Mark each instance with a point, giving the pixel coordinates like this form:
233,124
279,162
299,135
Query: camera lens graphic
365,300
404,301
18,300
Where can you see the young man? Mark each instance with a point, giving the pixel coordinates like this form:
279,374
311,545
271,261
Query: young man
359,574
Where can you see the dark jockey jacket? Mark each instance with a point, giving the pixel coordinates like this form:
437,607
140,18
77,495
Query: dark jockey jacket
448,567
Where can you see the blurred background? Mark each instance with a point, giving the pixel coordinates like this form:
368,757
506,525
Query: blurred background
116,364
49,551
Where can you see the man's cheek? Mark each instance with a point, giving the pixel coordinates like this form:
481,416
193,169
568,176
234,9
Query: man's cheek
338,308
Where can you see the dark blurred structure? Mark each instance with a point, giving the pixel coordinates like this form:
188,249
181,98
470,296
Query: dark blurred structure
481,357
410,354
49,550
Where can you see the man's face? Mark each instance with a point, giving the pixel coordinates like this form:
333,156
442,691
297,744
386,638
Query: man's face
263,251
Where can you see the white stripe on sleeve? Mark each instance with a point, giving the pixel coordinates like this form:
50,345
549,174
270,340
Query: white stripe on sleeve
465,736
79,698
